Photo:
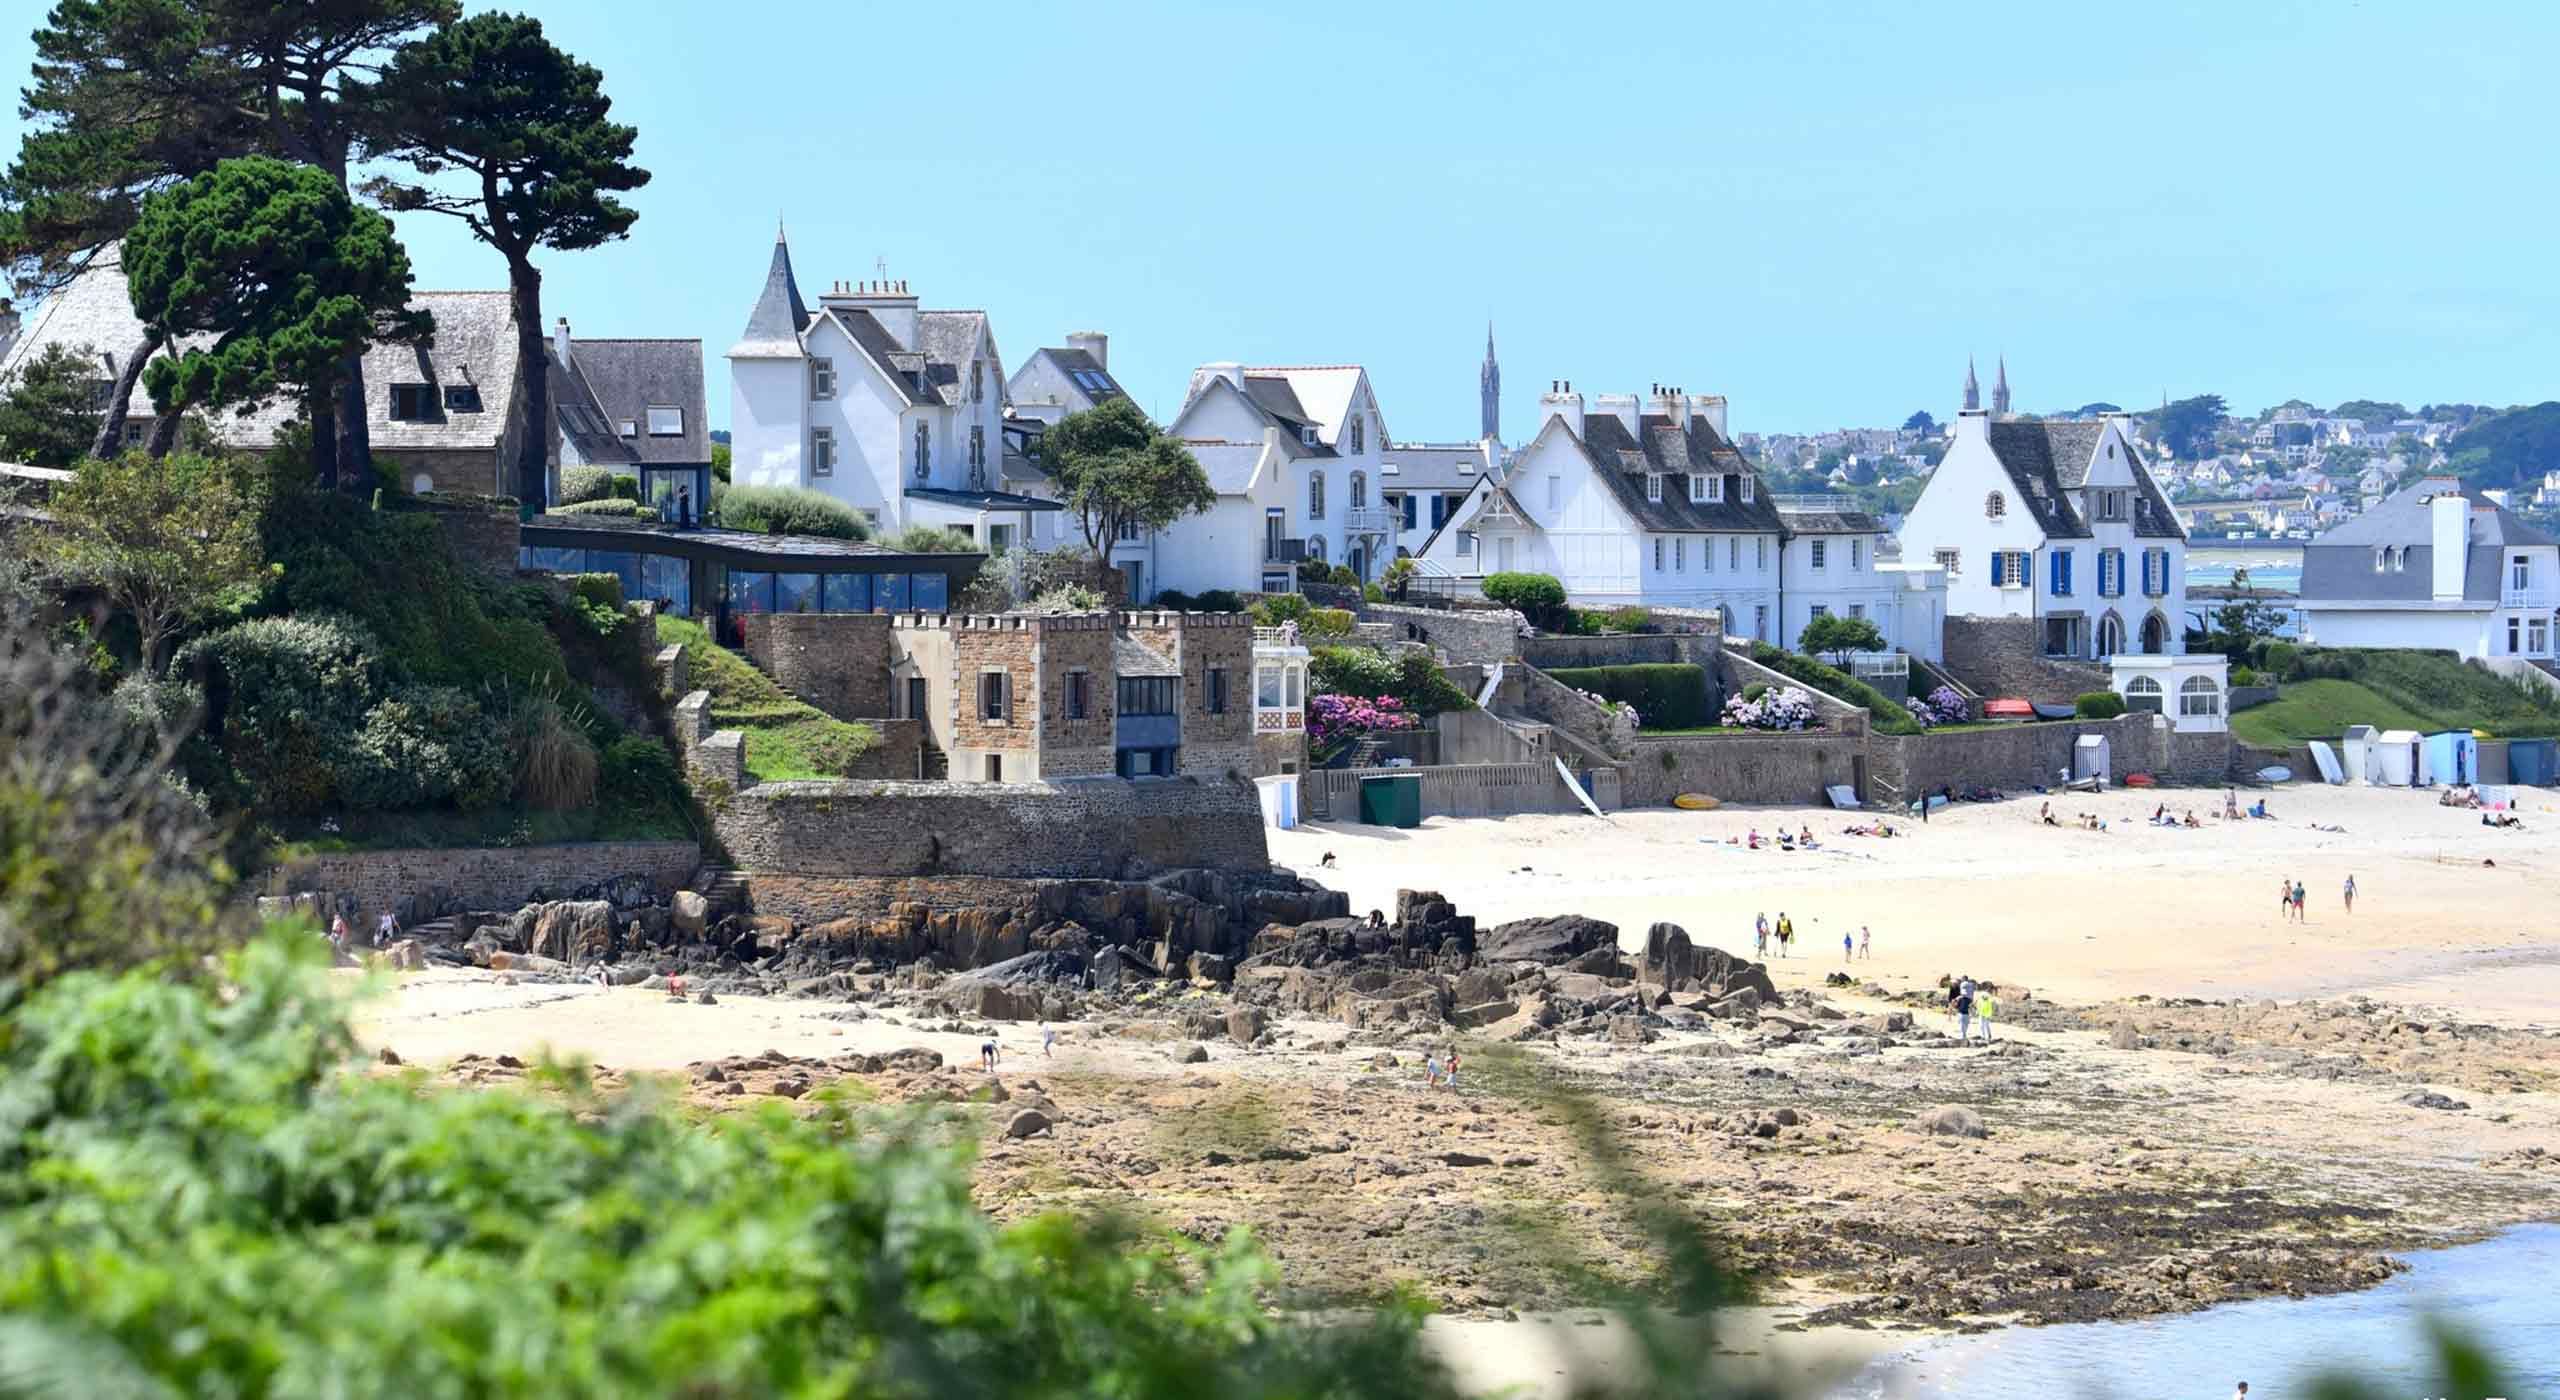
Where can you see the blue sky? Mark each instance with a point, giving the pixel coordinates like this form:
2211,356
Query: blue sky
1815,209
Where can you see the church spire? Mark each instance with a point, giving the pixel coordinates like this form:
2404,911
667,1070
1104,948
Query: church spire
2000,389
1489,388
1972,387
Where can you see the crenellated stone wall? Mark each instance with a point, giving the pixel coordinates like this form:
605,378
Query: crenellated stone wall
1478,638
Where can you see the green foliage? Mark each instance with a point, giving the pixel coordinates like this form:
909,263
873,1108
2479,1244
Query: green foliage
287,693
2322,709
1755,690
931,539
2240,626
2376,413
626,486
556,765
786,737
1836,636
612,506
426,746
578,485
1921,423
1664,696
2187,426
1216,600
289,276
1281,609
1887,715
49,409
1372,593
2242,675
787,510
1413,678
2513,448
1068,598
169,542
720,459
1017,576
1399,575
597,599
1115,469
636,773
2098,704
2284,659
1537,597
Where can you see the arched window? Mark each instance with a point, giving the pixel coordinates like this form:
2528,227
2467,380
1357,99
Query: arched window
2199,696
2110,635
2144,693
2400,559
1315,497
1357,437
1315,548
924,449
2155,634
1995,506
1359,488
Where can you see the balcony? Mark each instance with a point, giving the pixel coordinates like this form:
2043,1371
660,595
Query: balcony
1371,520
1276,551
2537,599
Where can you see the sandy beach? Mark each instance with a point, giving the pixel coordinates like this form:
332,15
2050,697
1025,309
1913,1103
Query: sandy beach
2188,1102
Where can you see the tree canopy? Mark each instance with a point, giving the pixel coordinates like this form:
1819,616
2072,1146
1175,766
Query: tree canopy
1920,422
1836,636
49,409
1117,469
2375,413
2512,449
527,129
167,541
289,275
2187,426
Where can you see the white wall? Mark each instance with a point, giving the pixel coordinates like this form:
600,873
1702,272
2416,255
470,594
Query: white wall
2465,633
1950,515
768,403
1847,584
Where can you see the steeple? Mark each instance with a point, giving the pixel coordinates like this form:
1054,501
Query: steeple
1489,388
1972,387
2000,390
773,327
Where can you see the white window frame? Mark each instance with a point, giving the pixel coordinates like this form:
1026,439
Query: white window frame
674,420
1748,482
1653,487
1951,560
2199,698
1760,554
822,378
1657,554
1680,556
822,452
1715,488
1818,553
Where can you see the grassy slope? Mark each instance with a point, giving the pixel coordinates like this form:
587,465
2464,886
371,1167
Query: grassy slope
786,737
2399,690
2321,710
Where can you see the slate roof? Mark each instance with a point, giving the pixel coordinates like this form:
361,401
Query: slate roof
2046,460
945,339
1076,364
2338,565
584,426
1131,657
1830,522
1424,466
1624,460
1229,464
627,376
774,326
979,500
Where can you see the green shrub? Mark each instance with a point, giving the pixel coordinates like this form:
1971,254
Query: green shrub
626,486
638,773
612,507
603,590
1887,715
1342,577
1218,600
1414,679
931,539
788,510
1175,600
555,762
1755,690
2098,704
1664,696
1372,593
2283,660
426,746
579,485
1328,622
286,695
1537,597
1281,609
2242,675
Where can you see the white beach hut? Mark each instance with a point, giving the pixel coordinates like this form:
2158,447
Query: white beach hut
2357,753
2089,758
2395,758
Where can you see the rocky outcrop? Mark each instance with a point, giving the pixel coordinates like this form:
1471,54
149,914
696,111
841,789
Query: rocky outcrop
1550,941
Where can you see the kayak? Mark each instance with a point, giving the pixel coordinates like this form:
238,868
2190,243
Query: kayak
1695,802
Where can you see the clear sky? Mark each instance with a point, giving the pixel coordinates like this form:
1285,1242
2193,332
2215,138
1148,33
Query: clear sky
1816,209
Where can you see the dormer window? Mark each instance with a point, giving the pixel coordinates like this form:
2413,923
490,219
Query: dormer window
1697,488
1748,482
1714,485
1653,487
1307,435
666,420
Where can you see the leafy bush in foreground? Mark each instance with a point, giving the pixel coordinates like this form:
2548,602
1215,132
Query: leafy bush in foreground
787,510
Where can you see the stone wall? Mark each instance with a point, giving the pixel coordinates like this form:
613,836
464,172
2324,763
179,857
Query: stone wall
1632,649
811,899
2003,658
1543,697
418,884
1741,673
1035,735
2241,697
1746,768
2010,757
1093,828
1479,638
2204,758
898,753
481,537
1284,752
1464,790
1214,745
838,662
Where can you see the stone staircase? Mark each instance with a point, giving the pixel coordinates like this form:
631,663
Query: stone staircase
722,888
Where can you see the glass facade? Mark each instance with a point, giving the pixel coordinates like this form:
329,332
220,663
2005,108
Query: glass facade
669,579
750,592
846,593
795,593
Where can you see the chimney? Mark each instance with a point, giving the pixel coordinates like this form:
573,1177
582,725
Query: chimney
560,342
1093,343
1209,374
1972,424
2448,541
889,302
1626,408
1562,402
1667,403
1711,408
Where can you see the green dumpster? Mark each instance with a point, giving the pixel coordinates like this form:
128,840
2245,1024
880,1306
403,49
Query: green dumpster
1391,800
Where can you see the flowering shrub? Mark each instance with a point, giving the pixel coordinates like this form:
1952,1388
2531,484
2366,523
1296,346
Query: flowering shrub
1331,717
1941,706
1791,708
1613,706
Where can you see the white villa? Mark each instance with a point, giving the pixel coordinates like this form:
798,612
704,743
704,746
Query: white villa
1833,564
895,410
2057,521
2434,566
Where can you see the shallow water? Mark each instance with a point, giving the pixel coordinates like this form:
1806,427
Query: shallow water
2500,1290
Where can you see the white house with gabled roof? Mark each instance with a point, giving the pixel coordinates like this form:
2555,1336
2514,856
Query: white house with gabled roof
868,397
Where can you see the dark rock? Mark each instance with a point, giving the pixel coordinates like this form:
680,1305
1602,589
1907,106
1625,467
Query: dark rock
2126,1036
572,931
2423,1098
1245,1024
1463,1159
1548,941
1026,1123
1668,956
1192,1055
388,1056
706,999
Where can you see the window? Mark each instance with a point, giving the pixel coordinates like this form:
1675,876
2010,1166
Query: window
1820,611
2199,696
2155,572
1466,543
1079,694
1439,511
1951,560
1994,506
2520,573
1657,554
993,689
1357,437
1707,554
995,767
1857,610
1680,556
1748,482
462,398
1714,488
1760,622
822,379
2061,572
2110,504
977,381
2111,573
1315,497
411,403
1266,687
1128,532
1653,486
2009,568
1760,554
1857,555
2381,559
665,420
628,427
924,449
1150,695
1297,684
1697,487
822,452
1818,552
1733,553
2144,693
1214,690
977,456
1555,493
2400,559
1359,490
1408,510
2515,635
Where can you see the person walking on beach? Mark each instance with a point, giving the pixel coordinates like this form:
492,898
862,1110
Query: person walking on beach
1048,1038
1760,938
1786,932
2284,898
2297,901
987,1054
1453,1067
1866,941
1964,1017
1986,1006
2351,894
1430,1069
1848,947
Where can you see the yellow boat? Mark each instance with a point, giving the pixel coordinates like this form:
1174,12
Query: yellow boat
1695,802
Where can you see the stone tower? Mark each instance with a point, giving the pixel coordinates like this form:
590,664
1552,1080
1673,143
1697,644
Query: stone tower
2000,390
1489,388
1972,387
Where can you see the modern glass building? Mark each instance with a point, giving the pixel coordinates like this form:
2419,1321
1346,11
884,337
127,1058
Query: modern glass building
721,575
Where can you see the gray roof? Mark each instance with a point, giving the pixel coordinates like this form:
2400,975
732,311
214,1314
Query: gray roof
1430,466
1131,657
1624,460
626,377
1830,522
946,339
1277,398
2046,460
1076,365
1229,464
904,368
980,500
2402,518
584,427
773,327
2339,566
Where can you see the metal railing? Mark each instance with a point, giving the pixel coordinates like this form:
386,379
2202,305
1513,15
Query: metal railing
1879,663
1372,520
2524,598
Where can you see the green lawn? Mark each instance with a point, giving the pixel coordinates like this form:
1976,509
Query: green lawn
2321,709
786,737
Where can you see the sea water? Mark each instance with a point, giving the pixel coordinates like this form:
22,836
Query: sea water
2271,564
2500,1291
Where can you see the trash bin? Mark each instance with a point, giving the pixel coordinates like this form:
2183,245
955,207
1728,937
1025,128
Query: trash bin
1391,800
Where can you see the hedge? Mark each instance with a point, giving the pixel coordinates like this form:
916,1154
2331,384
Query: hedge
611,505
1538,597
1413,678
787,510
2098,704
1888,716
1665,696
579,485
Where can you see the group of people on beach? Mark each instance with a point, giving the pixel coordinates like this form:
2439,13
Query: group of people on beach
1861,945
386,931
2290,896
1968,1002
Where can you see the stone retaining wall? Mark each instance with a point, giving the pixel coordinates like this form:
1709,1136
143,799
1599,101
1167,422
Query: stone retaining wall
1746,768
1478,638
1100,828
1741,673
413,883
2003,657
838,662
480,537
